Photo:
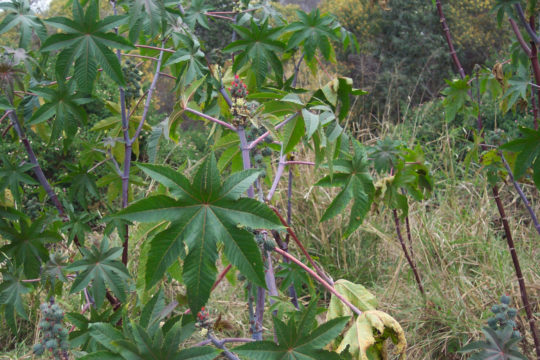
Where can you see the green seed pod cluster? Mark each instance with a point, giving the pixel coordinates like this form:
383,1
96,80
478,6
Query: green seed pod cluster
503,316
132,76
54,336
259,154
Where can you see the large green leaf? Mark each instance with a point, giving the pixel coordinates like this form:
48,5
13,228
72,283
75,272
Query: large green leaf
202,214
87,42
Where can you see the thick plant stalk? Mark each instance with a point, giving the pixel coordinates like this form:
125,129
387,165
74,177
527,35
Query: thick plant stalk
37,169
407,256
128,144
221,345
495,189
319,279
525,23
277,177
521,194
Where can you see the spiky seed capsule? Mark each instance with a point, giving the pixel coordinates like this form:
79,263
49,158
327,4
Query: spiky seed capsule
495,309
266,151
500,317
38,349
258,158
44,325
51,344
505,299
492,322
57,328
512,312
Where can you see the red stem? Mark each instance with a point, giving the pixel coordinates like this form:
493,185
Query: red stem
319,279
302,248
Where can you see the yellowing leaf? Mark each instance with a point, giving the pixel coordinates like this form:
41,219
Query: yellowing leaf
368,333
358,295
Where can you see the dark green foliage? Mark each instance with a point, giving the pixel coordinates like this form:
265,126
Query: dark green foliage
100,266
86,42
527,148
297,339
260,46
27,243
201,213
13,177
354,178
20,14
148,339
313,32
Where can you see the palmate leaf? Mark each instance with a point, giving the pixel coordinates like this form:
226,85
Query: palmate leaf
27,242
87,41
202,213
196,14
64,103
19,13
259,45
313,31
13,176
527,148
138,342
100,266
190,57
296,341
147,15
356,184
11,290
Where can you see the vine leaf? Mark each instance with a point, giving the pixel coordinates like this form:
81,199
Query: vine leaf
356,184
314,32
202,213
19,13
86,42
259,44
100,266
296,341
